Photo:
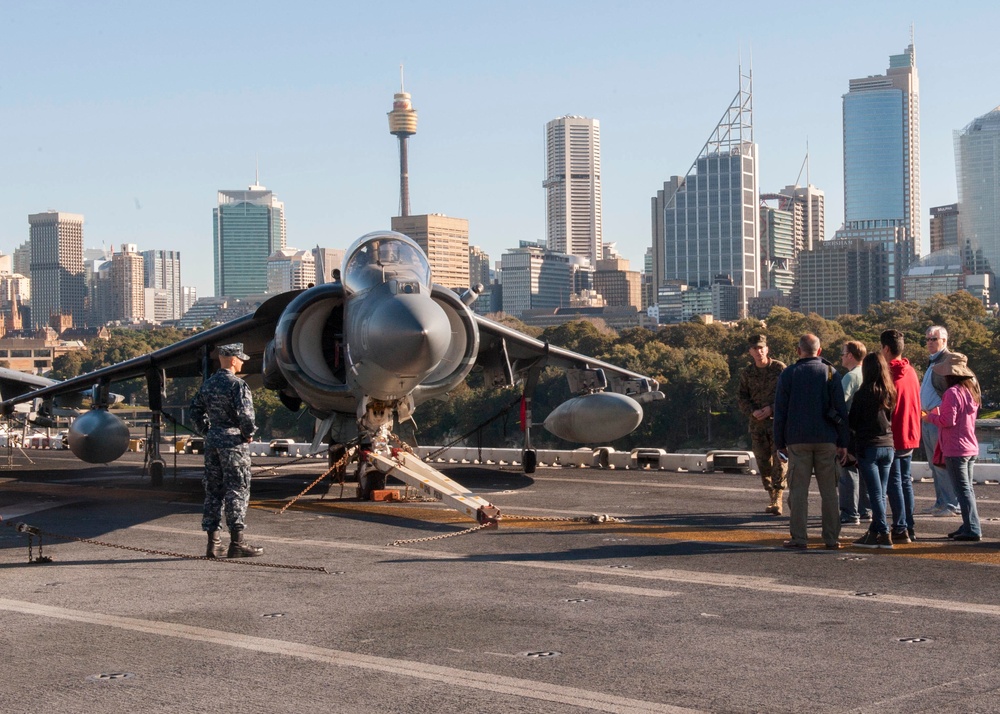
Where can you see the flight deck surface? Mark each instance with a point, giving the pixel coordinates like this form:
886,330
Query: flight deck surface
686,602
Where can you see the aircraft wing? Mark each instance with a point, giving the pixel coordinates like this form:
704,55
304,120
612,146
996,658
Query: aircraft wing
506,355
181,359
14,383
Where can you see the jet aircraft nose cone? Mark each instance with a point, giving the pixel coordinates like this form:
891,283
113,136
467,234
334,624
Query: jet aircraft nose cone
409,335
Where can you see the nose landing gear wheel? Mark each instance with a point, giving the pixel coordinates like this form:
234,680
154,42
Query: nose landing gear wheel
369,479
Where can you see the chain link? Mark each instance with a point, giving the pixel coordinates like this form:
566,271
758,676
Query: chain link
184,556
341,462
443,535
592,518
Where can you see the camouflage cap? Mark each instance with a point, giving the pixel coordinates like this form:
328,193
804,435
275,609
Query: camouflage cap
757,341
233,350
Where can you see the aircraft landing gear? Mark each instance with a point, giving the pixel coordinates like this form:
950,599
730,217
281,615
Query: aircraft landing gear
157,468
370,479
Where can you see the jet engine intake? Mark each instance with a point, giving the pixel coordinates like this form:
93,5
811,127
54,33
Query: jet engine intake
304,361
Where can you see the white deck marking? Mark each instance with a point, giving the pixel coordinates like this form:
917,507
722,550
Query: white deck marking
627,590
16,510
513,686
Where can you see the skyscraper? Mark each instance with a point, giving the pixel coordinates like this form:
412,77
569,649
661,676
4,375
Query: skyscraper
445,241
534,277
290,269
128,285
882,151
162,270
944,227
58,286
706,224
248,227
573,222
977,163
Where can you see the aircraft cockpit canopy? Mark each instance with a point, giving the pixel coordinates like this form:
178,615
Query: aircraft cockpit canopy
377,258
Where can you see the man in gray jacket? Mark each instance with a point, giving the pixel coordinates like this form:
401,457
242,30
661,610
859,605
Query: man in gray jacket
810,428
854,504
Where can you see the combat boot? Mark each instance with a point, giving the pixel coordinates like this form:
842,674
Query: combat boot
775,507
215,548
239,549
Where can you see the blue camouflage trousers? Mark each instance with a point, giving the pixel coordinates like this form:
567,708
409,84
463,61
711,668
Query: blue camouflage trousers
227,486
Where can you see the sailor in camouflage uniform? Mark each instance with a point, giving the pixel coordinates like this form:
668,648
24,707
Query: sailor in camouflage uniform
758,383
223,411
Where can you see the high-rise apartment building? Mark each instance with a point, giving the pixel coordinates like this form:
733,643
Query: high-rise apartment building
573,221
248,226
128,285
807,205
882,151
290,269
977,164
57,281
706,224
21,258
445,241
777,249
479,266
162,271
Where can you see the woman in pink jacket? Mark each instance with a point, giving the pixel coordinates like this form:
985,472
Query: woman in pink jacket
955,419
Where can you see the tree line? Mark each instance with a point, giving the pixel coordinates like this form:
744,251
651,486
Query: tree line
696,364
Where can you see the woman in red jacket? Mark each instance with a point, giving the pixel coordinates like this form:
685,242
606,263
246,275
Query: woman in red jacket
955,419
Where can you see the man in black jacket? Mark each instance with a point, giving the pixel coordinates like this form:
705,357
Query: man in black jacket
810,429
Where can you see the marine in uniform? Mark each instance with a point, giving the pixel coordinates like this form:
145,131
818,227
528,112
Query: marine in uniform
758,383
223,411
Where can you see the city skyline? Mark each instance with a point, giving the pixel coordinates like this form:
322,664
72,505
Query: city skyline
140,148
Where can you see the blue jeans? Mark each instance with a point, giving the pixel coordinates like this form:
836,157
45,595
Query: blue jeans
944,490
960,470
900,491
874,463
853,494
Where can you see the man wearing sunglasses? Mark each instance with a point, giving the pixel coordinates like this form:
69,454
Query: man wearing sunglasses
931,389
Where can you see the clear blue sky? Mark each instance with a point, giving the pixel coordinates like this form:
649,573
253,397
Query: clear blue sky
135,114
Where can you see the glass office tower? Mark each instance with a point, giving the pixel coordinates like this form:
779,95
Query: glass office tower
977,164
882,150
248,227
706,224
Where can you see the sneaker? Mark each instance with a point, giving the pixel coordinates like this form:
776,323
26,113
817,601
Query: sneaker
955,534
931,509
883,540
850,520
868,540
912,535
901,536
794,544
968,537
866,518
945,511
835,546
